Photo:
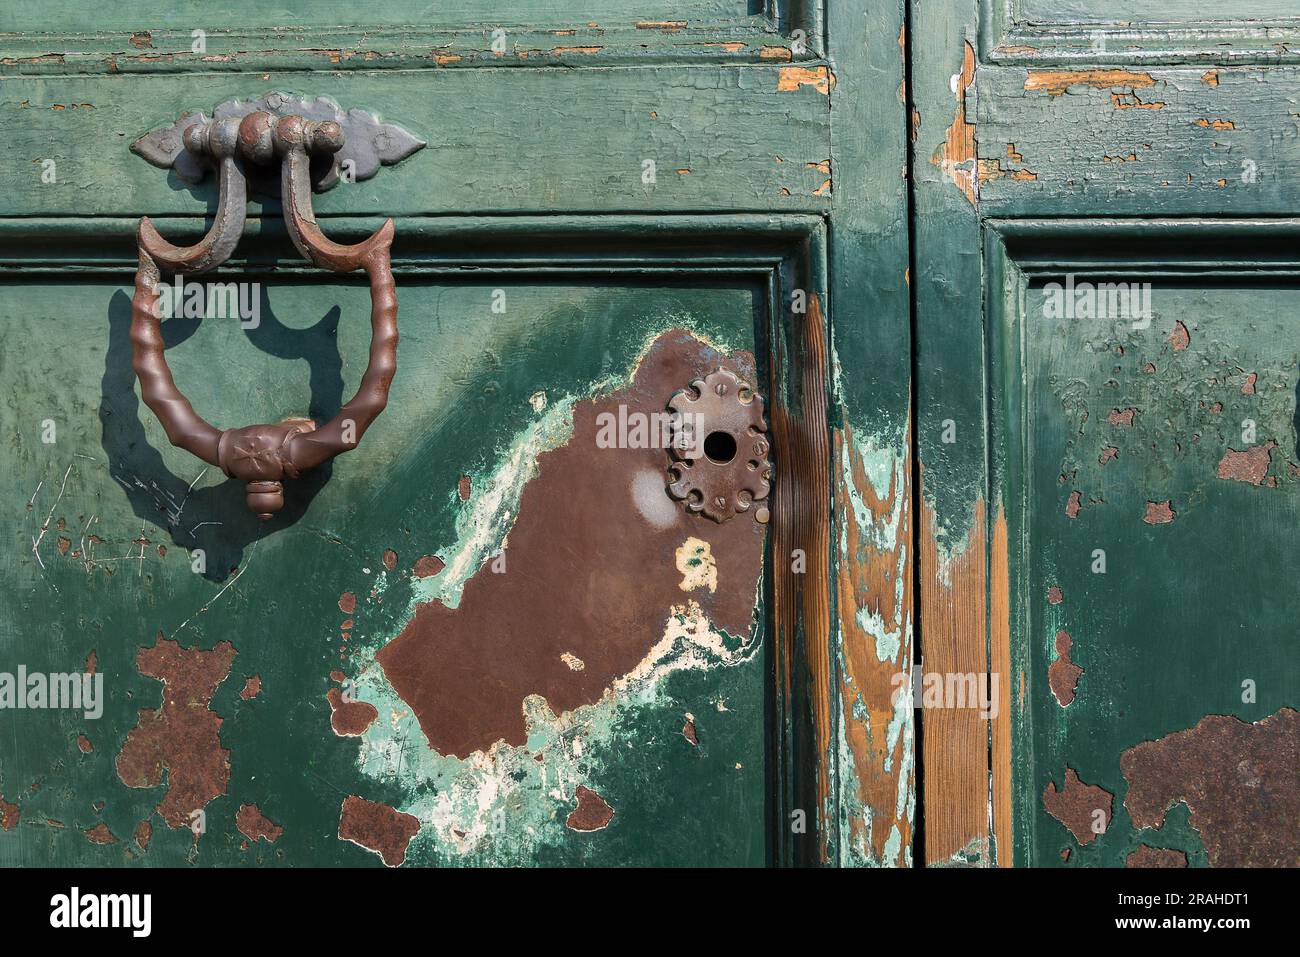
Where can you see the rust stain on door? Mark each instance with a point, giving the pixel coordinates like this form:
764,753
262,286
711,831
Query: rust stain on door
183,735
1238,780
589,572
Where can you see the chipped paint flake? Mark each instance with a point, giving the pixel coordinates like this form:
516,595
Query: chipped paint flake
819,78
593,813
1250,465
695,562
1083,808
1060,82
957,154
1063,674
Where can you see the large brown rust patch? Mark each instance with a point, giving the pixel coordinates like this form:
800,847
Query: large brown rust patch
9,814
1238,780
183,735
590,573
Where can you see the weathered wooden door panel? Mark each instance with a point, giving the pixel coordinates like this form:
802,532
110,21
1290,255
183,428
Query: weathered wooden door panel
139,534
1149,595
643,198
1109,464
502,631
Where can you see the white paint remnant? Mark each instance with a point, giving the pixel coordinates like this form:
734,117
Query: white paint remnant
538,401
475,798
689,643
696,563
893,844
884,470
483,526
573,661
650,496
889,641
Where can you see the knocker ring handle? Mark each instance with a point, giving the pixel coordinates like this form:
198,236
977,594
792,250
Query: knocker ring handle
262,455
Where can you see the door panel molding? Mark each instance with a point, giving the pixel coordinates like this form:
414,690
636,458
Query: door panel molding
781,253
1224,253
1012,34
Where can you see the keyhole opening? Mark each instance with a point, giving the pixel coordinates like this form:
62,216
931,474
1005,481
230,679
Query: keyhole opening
720,447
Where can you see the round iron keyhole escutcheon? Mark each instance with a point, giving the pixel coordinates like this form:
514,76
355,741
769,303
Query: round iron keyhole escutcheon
720,466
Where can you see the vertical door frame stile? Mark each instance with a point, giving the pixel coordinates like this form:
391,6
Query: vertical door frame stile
799,392
961,524
871,461
1007,397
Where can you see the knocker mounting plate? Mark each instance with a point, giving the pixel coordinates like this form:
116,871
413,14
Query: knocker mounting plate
368,143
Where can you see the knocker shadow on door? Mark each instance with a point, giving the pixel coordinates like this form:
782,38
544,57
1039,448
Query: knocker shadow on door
213,518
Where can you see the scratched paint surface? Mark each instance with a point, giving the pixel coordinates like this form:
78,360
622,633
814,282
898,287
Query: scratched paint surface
1173,450
102,528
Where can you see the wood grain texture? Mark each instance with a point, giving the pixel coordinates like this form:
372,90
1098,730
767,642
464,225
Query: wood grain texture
1009,690
948,284
870,342
801,589
955,735
874,601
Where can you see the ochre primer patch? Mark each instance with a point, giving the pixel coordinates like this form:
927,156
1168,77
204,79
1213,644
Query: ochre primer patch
584,575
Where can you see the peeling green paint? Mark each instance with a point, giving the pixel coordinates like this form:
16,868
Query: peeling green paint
510,804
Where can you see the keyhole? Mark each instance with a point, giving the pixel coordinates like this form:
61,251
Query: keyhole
720,447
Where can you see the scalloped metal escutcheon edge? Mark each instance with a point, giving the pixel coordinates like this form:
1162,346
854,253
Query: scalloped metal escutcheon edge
368,143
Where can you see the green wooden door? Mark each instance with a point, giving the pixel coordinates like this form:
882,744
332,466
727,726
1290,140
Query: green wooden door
1107,429
487,635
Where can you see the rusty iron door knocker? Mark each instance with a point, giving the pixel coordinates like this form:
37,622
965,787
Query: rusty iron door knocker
311,141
